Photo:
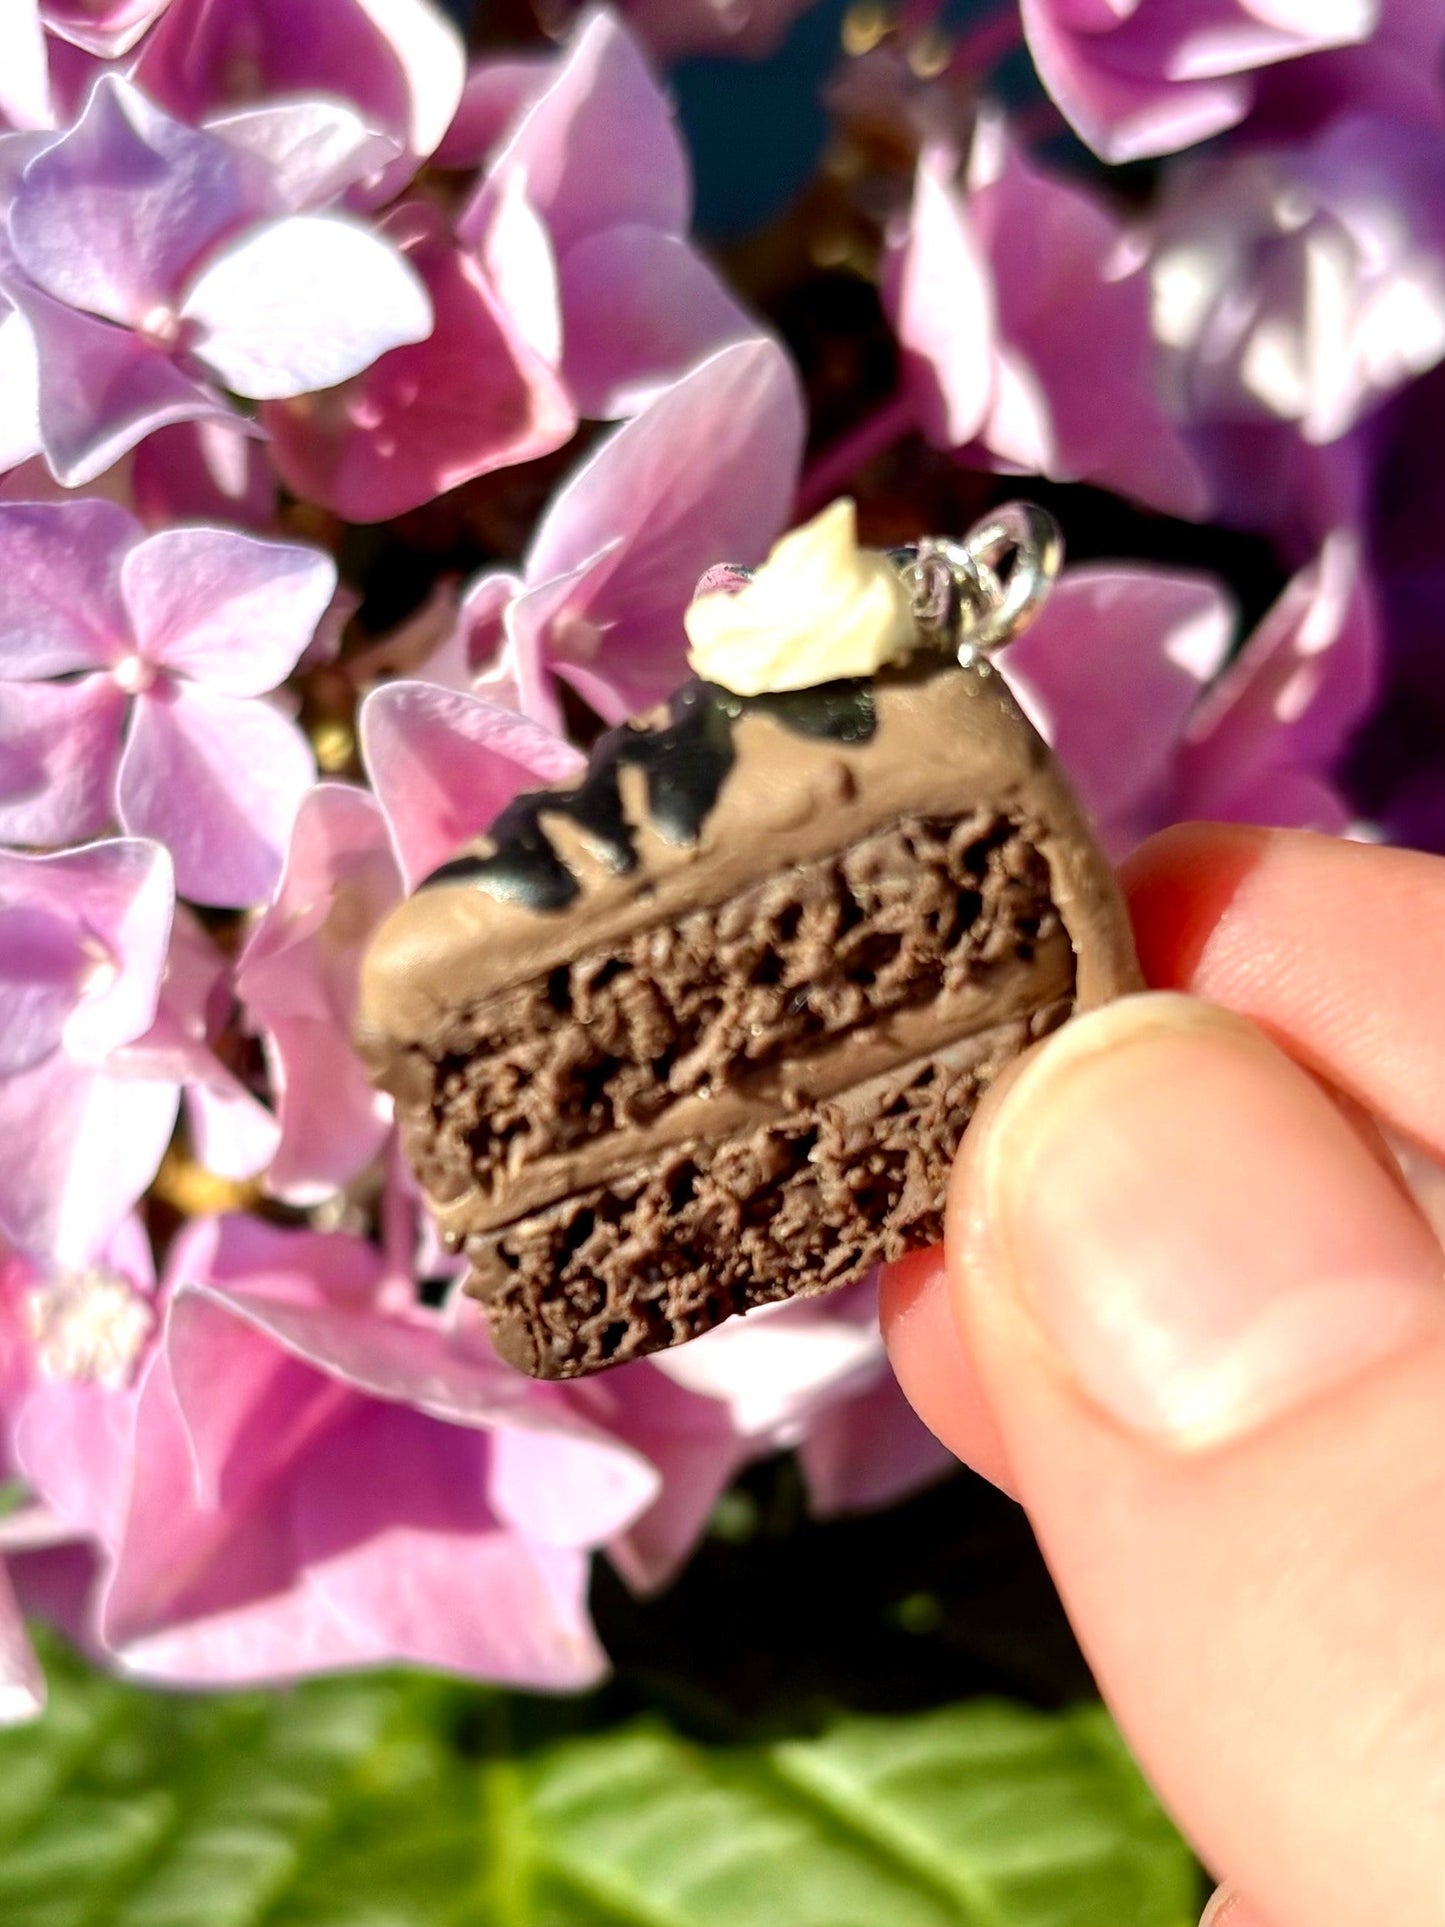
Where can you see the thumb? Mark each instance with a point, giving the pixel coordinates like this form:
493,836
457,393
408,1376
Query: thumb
1210,1327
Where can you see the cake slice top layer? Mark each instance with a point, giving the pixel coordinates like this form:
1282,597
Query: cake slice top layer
689,806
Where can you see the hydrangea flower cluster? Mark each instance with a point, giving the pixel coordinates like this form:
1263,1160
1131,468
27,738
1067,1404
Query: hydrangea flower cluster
266,285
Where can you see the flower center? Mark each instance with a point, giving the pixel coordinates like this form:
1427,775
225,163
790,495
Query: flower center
133,675
88,1326
161,327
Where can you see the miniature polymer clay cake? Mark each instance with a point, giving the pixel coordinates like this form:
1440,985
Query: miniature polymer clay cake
704,1030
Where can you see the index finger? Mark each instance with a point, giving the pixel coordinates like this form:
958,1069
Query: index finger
1336,949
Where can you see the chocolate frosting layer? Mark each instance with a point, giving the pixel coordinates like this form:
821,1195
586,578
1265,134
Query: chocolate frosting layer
684,762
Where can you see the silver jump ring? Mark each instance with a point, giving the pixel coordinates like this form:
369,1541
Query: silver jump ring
977,594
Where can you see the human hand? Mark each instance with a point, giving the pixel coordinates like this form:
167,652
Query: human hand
1190,1315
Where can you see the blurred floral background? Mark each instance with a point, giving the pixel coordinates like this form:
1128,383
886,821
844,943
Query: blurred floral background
376,381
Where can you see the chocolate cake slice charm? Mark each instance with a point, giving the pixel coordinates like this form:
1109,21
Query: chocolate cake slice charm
704,1031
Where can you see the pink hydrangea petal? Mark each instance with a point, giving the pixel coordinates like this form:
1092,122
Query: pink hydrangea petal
226,609
218,779
73,1447
471,398
1106,419
771,1369
83,1147
598,148
408,1536
693,1444
232,1133
672,515
117,898
1112,668
400,62
639,309
432,61
339,880
1124,119
60,604
205,471
941,292
298,978
113,217
312,150
105,28
303,303
332,1122
22,1684
566,1488
444,765
59,749
1296,691
24,69
520,263
103,389
869,1451
19,390
191,1550
497,92
476,648
40,983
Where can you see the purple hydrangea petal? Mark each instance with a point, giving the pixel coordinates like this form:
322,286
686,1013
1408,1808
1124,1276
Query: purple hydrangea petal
303,303
706,474
103,389
639,309
219,780
59,750
226,609
60,603
444,765
598,148
113,217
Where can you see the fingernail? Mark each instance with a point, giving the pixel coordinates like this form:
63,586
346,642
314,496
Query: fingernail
1200,1236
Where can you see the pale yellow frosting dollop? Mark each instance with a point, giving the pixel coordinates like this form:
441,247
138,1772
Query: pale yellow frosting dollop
818,609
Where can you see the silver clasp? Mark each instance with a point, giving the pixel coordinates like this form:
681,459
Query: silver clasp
976,595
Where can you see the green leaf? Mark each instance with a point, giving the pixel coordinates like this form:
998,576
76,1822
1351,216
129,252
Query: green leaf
391,1801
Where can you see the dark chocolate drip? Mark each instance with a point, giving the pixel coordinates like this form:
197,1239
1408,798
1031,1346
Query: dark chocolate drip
684,764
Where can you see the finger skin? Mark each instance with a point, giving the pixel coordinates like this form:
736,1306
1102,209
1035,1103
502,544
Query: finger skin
933,1368
1336,949
1267,1619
